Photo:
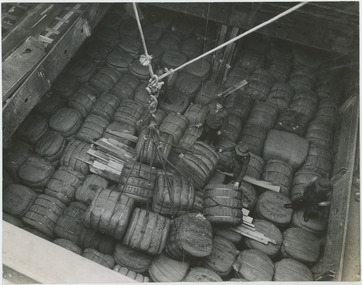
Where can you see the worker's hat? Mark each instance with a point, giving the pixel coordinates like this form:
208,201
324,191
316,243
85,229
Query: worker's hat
241,149
323,183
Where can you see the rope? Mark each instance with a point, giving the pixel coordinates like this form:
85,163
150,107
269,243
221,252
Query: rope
286,12
148,57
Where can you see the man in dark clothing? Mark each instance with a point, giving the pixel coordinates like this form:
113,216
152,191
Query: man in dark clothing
314,198
241,158
214,121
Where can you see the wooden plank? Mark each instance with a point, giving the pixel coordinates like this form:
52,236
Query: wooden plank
256,182
123,135
217,59
21,102
333,260
229,50
19,64
46,262
19,11
32,25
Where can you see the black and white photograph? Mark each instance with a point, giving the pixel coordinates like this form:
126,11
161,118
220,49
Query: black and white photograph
180,142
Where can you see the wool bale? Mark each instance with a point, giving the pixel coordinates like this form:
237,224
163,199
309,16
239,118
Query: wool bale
223,205
253,265
82,69
254,137
97,51
190,236
66,121
32,128
222,256
200,68
289,269
279,173
63,183
301,245
35,172
319,158
152,149
107,35
173,195
129,112
44,214
280,95
92,129
208,93
171,40
196,114
69,245
198,164
269,230
70,223
287,147
319,134
255,167
263,115
15,156
131,274
65,85
104,79
316,224
175,125
119,60
105,106
75,156
188,84
17,199
140,71
270,207
166,269
109,213
83,100
249,194
85,192
200,274
172,59
49,104
130,45
293,122
191,135
100,258
89,238
227,233
147,232
250,59
138,181
51,146
175,101
134,260
191,47
13,220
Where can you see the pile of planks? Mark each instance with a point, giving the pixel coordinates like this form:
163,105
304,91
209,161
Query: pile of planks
247,228
108,158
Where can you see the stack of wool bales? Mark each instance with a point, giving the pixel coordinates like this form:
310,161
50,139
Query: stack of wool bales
157,222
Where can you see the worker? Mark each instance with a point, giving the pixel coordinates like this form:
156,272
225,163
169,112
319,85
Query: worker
314,198
241,158
214,121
